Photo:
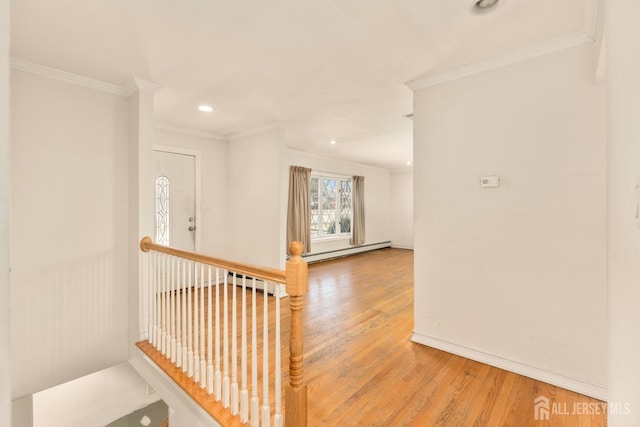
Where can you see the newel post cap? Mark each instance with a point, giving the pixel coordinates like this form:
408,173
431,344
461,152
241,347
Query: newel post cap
296,248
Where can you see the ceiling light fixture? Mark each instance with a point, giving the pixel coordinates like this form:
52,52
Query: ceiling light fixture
205,108
408,162
485,6
332,142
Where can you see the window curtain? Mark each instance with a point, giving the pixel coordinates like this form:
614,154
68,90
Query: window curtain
299,210
357,237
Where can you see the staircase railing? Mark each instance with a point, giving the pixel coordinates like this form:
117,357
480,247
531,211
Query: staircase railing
228,348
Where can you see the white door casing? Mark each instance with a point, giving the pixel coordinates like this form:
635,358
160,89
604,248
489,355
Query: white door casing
182,168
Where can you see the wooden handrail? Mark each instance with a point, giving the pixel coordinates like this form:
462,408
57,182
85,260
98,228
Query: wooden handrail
263,273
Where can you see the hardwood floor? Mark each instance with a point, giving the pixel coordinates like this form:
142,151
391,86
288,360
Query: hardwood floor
361,368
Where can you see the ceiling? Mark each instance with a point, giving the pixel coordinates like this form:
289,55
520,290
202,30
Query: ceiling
326,69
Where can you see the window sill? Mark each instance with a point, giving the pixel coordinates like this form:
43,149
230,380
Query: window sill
331,238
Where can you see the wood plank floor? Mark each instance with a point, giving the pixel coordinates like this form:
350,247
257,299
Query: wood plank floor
361,368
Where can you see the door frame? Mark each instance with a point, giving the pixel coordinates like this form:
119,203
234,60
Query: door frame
198,188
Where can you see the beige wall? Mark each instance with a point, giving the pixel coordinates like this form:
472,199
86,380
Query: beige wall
69,231
5,193
402,209
515,275
254,198
623,68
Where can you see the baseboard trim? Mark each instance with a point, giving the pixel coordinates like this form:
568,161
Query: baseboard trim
339,253
579,386
402,247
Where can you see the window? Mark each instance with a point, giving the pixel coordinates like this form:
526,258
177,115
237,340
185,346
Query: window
330,206
162,211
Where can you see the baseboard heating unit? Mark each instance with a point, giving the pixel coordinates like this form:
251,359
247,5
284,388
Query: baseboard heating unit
338,253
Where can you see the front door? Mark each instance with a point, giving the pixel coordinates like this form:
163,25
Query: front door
175,204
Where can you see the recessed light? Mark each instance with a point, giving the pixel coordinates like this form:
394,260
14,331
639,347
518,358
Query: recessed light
205,108
332,142
408,162
485,6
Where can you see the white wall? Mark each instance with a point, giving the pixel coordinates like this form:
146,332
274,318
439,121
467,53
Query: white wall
516,275
69,231
402,203
254,198
213,155
377,188
94,400
623,75
5,200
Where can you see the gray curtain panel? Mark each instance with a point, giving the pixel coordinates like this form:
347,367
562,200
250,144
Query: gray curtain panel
299,210
357,237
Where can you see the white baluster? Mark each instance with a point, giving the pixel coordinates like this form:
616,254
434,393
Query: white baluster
172,299
152,297
196,326
185,335
244,393
234,350
179,338
203,363
278,419
210,379
163,314
189,325
158,299
218,373
255,401
225,346
167,307
266,409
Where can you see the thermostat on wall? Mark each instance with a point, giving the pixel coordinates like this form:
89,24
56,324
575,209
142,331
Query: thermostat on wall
490,181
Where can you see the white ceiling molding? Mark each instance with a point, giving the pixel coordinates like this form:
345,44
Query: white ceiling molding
188,131
601,69
140,84
255,131
554,45
67,77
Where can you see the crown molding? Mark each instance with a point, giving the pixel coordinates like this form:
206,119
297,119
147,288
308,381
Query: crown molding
408,169
335,159
145,85
593,18
188,131
601,68
551,46
255,131
67,77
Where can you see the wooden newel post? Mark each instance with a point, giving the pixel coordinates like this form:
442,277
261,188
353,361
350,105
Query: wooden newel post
297,280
